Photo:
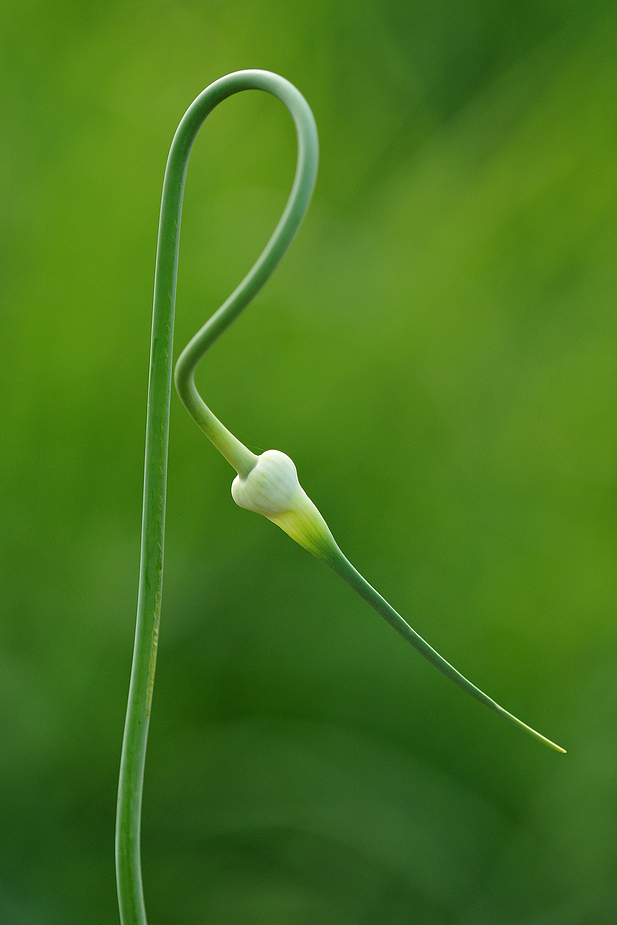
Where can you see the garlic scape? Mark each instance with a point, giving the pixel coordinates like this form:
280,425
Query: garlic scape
267,484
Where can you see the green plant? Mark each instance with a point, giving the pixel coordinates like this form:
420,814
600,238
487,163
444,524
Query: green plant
267,483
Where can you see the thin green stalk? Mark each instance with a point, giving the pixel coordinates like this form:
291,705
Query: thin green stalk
272,489
128,824
343,567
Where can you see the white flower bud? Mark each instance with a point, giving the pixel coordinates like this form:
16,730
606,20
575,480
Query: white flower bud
272,488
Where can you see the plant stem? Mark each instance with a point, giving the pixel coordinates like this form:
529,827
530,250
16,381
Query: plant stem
128,824
343,567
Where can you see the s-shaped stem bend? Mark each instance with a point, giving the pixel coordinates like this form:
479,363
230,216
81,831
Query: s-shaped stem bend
128,823
267,484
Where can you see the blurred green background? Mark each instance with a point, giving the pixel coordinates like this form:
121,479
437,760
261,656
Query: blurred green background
437,353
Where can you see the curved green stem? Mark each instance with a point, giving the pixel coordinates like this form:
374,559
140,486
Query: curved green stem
268,483
343,567
128,861
235,452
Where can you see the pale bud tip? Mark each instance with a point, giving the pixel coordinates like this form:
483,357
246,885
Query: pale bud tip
272,488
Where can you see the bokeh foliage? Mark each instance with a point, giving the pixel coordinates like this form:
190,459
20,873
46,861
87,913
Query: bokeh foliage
437,353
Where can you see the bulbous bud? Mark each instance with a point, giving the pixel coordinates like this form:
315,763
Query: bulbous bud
272,488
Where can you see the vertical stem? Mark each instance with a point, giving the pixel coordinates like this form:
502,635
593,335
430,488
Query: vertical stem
128,824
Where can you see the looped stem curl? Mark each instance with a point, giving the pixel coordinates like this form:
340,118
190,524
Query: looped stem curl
128,824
